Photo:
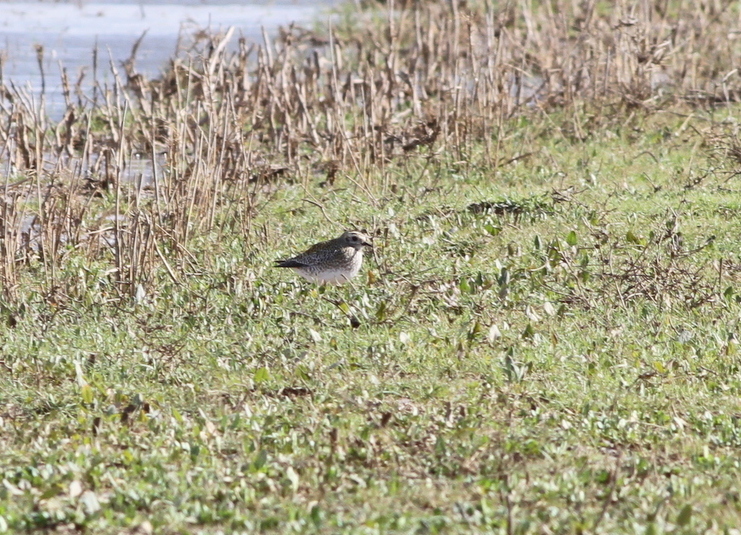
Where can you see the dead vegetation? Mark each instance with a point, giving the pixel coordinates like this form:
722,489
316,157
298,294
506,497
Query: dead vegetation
621,270
436,80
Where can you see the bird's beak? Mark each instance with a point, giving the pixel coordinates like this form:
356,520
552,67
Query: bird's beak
368,244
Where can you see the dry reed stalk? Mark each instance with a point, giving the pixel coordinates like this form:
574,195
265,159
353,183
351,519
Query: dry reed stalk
437,79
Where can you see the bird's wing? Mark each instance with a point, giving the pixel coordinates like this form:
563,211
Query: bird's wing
311,251
310,255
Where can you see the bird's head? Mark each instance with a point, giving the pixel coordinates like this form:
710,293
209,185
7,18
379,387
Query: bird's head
356,240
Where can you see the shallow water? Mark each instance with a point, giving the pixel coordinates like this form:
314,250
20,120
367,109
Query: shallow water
69,32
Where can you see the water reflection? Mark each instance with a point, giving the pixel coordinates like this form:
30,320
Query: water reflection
50,36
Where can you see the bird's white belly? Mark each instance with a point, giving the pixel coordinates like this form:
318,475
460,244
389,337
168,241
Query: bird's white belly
325,275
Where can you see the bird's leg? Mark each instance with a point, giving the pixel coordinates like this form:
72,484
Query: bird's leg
345,308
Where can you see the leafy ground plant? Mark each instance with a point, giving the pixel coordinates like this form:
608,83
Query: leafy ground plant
543,340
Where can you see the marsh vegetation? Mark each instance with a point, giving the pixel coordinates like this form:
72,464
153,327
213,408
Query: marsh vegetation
545,336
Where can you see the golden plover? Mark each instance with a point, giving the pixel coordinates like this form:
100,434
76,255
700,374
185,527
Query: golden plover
330,262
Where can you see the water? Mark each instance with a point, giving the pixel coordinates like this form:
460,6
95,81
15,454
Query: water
69,31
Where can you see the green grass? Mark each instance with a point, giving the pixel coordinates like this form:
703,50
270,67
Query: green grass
534,363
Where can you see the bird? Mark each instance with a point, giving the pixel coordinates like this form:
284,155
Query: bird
330,262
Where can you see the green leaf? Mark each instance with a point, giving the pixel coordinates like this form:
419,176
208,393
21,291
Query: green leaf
632,238
511,370
491,229
316,515
504,277
728,294
261,375
50,492
440,447
381,311
529,331
464,286
537,243
475,331
571,238
303,373
684,516
87,394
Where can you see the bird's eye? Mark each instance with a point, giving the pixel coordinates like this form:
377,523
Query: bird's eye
354,238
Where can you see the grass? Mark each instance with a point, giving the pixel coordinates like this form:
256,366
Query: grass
545,337
497,381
